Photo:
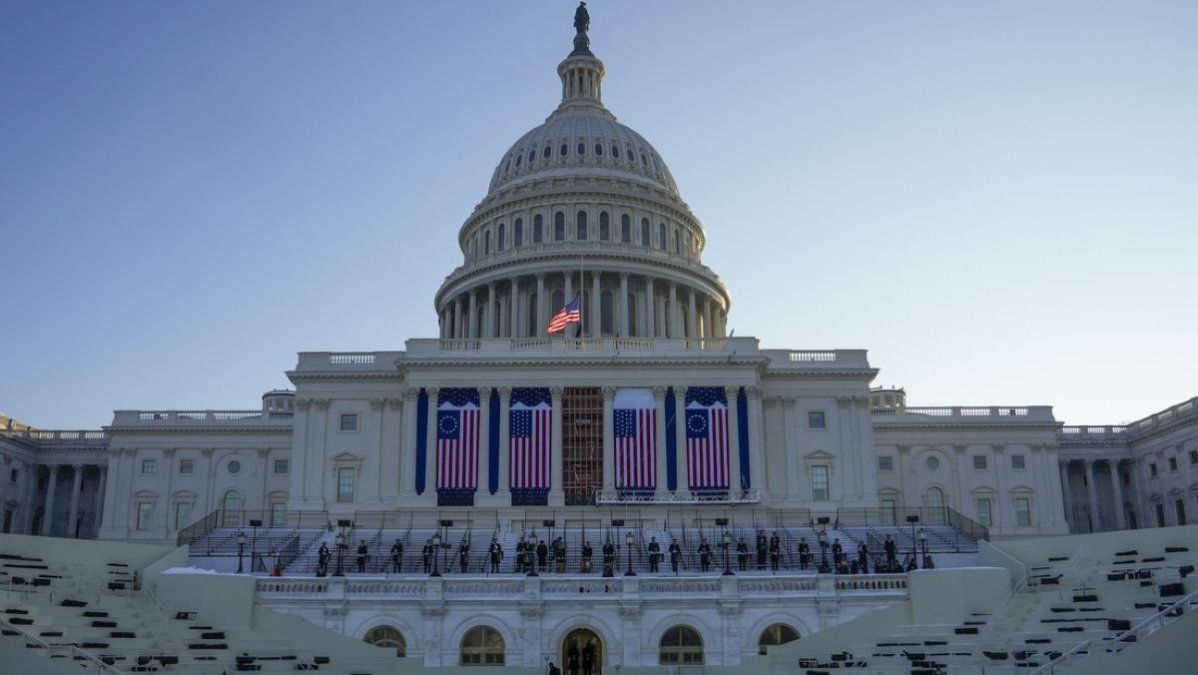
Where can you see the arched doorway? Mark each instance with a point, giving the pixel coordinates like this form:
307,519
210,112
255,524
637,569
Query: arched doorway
581,652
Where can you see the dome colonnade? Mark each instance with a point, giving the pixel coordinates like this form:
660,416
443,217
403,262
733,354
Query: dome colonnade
582,206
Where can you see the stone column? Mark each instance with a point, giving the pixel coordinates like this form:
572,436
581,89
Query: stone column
74,512
708,332
734,484
596,314
1002,502
692,319
101,486
1117,486
407,471
457,318
492,324
484,441
1093,494
503,494
472,323
430,449
48,509
651,317
501,312
1067,495
756,439
680,437
541,321
514,312
659,399
557,497
672,322
623,305
609,439
568,295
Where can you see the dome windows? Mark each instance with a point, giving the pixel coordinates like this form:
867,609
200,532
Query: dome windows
598,149
564,149
499,241
532,155
615,152
661,231
537,229
604,226
631,154
518,232
559,226
518,159
581,222
625,228
487,243
582,149
645,231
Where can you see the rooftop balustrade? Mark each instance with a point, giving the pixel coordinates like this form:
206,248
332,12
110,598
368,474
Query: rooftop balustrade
995,414
189,418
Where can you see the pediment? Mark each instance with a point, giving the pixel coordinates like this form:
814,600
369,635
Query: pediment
346,458
818,455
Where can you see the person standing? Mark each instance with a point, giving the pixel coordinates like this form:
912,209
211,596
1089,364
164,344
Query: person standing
573,659
322,560
609,558
891,552
427,554
542,555
761,550
775,551
588,658
587,554
396,556
675,554
704,554
559,555
804,553
363,553
837,552
863,558
742,554
464,554
654,553
495,551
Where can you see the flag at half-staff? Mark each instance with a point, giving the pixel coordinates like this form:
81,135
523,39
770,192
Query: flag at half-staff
571,313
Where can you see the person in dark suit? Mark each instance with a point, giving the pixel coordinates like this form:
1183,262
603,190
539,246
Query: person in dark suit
863,558
427,554
553,669
654,552
587,554
559,555
363,553
464,554
495,551
588,658
837,552
609,558
742,554
761,550
804,553
891,552
704,554
775,551
322,560
396,556
573,659
675,555
542,555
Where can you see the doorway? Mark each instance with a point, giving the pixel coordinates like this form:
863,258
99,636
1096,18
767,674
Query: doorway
582,652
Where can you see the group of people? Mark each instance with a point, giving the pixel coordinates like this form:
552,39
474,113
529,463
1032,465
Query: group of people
544,556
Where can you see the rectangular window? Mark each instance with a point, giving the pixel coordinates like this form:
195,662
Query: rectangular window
182,515
345,484
1023,511
1160,514
816,420
278,514
187,466
980,462
885,463
1180,507
145,510
819,483
149,466
1172,464
982,504
1193,457
1018,462
1152,470
282,467
888,511
349,422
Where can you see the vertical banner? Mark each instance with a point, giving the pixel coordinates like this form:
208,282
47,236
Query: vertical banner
421,439
671,440
457,440
635,422
742,419
493,443
707,438
531,438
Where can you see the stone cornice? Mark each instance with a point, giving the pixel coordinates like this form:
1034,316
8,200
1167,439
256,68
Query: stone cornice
193,429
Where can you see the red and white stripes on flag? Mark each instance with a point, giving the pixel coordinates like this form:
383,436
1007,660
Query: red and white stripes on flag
531,418
635,432
457,439
706,438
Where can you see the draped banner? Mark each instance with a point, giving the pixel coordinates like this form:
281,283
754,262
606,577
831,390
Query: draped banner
635,421
457,440
531,435
707,438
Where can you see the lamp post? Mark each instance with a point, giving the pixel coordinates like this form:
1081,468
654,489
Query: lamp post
823,549
923,544
530,550
726,543
436,554
341,546
913,519
628,539
240,549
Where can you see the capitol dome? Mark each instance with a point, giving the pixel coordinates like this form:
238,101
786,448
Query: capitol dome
582,207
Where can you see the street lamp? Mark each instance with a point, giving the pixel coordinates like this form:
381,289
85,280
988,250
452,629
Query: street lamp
436,554
341,546
726,543
628,539
240,549
530,550
923,544
913,519
254,523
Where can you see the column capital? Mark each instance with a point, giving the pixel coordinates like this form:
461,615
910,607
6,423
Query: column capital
753,392
484,394
556,392
302,404
730,392
432,392
903,449
377,403
541,277
411,394
321,403
844,401
77,467
998,448
53,469
395,403
659,393
505,393
609,393
959,449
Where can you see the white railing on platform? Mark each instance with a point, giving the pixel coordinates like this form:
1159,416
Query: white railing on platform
750,496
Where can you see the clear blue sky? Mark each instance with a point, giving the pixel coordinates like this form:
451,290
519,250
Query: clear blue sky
997,199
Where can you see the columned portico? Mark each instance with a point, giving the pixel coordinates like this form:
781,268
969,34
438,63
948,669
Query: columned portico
48,509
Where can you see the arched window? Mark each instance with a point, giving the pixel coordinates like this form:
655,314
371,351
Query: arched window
559,226
487,243
677,242
518,159
633,327
534,322
231,506
777,634
661,234
518,232
502,235
607,313
532,154
482,646
548,153
564,149
537,228
615,152
644,231
581,222
626,229
681,645
604,226
582,148
933,501
386,636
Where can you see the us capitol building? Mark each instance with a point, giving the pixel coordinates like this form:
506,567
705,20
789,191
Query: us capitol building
646,416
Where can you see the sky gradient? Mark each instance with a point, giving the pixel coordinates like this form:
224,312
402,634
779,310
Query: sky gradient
997,199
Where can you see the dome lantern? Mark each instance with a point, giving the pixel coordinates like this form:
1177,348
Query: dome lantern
582,71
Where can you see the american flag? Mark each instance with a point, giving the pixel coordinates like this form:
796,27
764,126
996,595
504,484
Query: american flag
635,421
706,438
531,420
571,313
457,439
